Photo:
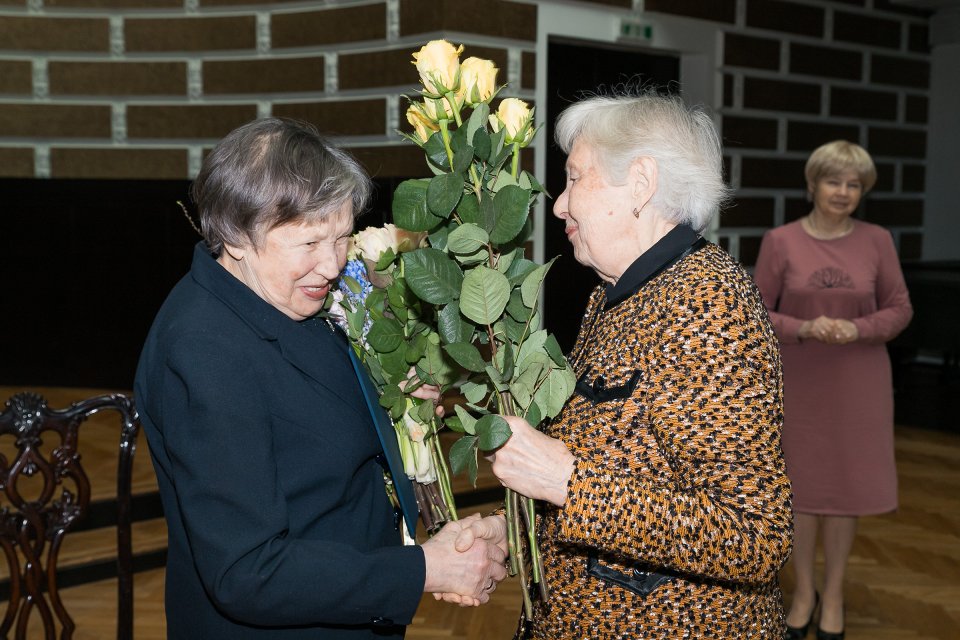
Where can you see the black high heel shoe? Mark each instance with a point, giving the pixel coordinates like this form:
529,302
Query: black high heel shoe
832,635
799,633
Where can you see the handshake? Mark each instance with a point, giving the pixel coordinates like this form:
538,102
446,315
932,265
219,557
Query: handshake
465,560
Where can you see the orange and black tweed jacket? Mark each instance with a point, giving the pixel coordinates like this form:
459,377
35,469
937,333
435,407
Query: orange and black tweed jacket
678,516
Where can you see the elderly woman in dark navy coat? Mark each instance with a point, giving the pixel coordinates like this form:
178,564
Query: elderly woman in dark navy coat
265,451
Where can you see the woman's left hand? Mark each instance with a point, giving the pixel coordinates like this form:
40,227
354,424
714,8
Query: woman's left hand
844,331
533,464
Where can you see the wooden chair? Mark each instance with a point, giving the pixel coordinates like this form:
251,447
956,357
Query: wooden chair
44,492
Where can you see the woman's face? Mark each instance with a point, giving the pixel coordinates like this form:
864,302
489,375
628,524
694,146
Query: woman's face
837,195
295,265
598,216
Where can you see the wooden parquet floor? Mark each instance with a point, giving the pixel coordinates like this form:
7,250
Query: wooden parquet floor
903,578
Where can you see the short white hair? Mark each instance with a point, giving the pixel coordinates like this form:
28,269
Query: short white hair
681,139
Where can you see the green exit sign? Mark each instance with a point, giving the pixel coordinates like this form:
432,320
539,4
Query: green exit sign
636,30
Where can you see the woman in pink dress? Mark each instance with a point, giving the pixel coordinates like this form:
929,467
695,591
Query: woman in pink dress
836,295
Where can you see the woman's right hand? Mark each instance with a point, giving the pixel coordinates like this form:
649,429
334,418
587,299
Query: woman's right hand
464,571
533,464
821,329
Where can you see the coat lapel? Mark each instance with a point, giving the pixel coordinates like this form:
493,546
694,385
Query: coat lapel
322,356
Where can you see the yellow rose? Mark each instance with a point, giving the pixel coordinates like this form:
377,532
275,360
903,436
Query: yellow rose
437,109
423,126
438,64
478,80
516,117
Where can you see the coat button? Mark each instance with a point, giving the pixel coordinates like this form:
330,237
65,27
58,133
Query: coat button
381,622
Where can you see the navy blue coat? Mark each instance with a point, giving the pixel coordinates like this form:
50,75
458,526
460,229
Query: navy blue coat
279,524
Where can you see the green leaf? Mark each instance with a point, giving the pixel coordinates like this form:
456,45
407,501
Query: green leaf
424,414
555,391
453,423
533,344
517,310
415,349
487,214
466,355
497,151
385,335
443,194
533,415
513,329
467,239
478,121
394,365
524,386
531,284
463,457
474,392
469,209
434,368
436,151
484,295
511,206
452,326
502,180
531,182
462,159
506,260
492,432
386,258
481,145
389,395
505,360
410,209
554,351
468,422
438,237
481,256
432,276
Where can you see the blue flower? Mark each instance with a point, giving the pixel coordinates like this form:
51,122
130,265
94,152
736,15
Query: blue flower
356,270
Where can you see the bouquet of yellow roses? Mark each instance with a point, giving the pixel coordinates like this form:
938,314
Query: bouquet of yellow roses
474,274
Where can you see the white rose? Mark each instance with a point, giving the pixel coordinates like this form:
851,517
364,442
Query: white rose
372,242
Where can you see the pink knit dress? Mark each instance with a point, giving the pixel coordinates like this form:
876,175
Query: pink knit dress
838,399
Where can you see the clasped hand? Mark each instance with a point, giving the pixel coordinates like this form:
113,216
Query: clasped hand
465,560
829,330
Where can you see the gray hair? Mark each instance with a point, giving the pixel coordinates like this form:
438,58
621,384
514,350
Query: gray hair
271,172
682,140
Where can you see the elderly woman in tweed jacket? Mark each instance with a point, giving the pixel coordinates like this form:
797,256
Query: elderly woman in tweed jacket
667,504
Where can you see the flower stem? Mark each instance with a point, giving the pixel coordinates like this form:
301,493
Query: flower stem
445,134
515,165
452,101
443,471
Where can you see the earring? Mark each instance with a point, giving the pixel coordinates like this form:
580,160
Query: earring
636,213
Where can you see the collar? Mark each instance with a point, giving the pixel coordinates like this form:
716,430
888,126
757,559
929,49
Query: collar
679,242
265,319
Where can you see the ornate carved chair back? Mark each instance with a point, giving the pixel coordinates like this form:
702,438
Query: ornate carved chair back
44,493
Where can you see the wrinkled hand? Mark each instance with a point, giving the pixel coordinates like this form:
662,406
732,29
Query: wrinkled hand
476,530
424,392
533,464
467,577
829,330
